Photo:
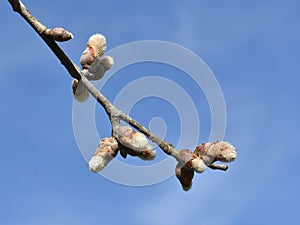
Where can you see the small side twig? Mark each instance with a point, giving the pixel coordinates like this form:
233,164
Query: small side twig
215,166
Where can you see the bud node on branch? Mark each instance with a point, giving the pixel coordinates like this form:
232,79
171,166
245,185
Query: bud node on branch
59,34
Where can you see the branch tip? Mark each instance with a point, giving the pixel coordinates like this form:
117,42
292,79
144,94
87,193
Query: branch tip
214,166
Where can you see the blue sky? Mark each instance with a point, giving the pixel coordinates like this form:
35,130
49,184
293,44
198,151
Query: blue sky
253,49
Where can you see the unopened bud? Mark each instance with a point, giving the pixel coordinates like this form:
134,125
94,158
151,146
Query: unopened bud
185,176
79,91
59,34
106,151
135,143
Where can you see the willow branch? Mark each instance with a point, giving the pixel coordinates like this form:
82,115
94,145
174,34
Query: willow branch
113,112
116,114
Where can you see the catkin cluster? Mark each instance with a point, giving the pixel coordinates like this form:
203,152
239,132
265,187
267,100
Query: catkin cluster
94,65
202,157
128,141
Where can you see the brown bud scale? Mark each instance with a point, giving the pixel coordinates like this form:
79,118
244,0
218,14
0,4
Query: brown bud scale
59,34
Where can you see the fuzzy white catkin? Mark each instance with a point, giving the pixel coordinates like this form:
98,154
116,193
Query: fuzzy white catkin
106,151
82,97
79,91
132,139
94,66
226,152
198,165
216,151
95,48
97,163
107,62
98,42
97,70
138,141
135,141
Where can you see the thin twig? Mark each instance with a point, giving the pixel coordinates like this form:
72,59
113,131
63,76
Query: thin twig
113,112
215,166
